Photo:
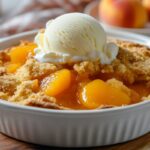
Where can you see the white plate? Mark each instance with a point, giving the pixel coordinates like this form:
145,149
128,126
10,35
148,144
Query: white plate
92,9
73,128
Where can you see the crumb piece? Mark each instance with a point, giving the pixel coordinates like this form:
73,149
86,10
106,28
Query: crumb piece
33,69
42,100
87,67
119,71
23,91
142,70
124,73
118,84
8,84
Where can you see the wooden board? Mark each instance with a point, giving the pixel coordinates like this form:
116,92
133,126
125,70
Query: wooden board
142,143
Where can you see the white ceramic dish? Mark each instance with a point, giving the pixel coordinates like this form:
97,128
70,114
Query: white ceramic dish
92,9
68,128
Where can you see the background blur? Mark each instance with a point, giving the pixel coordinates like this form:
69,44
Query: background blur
23,15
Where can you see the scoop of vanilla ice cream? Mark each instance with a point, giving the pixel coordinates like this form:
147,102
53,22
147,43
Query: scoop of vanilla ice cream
74,37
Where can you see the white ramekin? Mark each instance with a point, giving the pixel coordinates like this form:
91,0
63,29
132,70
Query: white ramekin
67,128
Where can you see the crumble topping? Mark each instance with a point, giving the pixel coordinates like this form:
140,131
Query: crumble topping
87,67
132,65
8,84
24,90
136,57
33,69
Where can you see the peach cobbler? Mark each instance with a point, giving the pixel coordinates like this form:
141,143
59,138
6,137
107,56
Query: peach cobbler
101,79
82,85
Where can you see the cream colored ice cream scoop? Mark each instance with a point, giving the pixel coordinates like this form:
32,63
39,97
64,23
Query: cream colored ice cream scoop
74,37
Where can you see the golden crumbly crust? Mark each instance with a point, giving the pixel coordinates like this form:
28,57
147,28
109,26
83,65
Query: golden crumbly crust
23,91
131,65
87,67
136,59
8,84
33,69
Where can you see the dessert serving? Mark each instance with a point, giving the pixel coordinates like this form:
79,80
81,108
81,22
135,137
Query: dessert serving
72,68
71,64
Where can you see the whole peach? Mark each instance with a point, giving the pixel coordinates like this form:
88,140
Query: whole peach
146,4
124,13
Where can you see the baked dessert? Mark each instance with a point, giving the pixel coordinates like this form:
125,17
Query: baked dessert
122,77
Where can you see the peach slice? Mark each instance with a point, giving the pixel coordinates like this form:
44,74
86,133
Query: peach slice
98,92
19,54
58,82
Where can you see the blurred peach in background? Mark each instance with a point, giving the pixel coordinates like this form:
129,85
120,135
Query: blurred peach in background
124,13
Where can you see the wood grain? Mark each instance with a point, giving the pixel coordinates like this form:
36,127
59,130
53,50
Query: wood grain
7,143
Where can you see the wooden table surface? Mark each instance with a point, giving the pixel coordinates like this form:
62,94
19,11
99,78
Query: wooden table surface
7,143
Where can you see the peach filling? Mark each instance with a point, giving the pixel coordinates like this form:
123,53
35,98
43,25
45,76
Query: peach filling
98,92
18,56
75,91
86,94
57,82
